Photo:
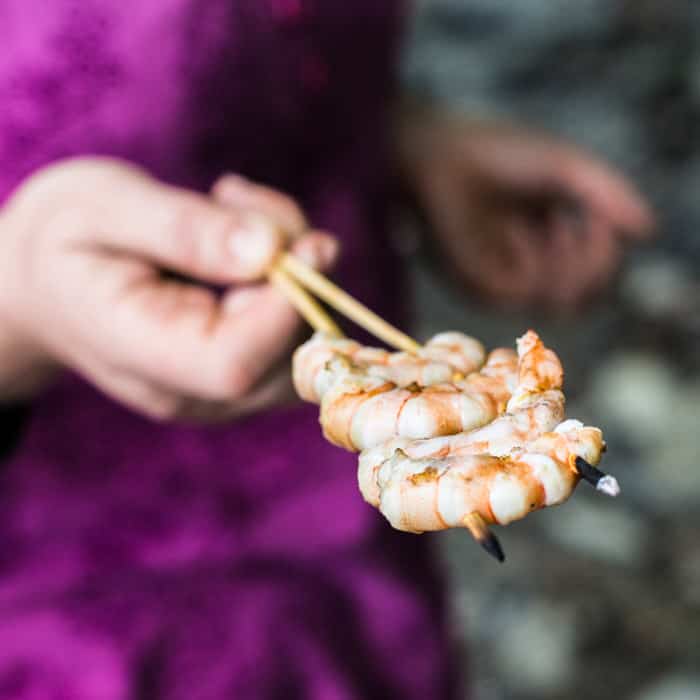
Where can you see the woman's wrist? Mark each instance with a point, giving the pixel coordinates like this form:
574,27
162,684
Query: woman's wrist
24,368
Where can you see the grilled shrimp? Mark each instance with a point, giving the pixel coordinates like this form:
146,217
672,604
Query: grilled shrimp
441,359
416,495
508,379
534,415
357,414
359,411
539,367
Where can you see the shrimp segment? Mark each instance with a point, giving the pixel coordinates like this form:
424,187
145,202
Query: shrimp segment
417,495
359,412
540,368
538,414
360,421
439,360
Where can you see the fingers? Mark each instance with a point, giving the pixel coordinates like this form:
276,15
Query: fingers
607,192
275,390
161,396
563,286
536,164
580,258
317,249
161,404
210,352
595,258
133,391
181,230
234,190
556,264
182,338
603,255
153,342
504,270
189,342
524,247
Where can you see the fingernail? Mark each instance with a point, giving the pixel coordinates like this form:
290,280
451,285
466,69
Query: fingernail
237,302
318,252
254,245
230,180
235,177
329,251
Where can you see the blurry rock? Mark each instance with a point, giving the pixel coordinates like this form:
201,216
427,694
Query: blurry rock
535,652
658,286
606,531
674,464
596,121
638,394
673,687
689,576
629,88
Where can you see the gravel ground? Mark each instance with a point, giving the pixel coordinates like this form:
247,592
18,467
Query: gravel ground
598,598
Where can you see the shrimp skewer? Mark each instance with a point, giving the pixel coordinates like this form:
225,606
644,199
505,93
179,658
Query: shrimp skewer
360,411
417,495
495,474
444,447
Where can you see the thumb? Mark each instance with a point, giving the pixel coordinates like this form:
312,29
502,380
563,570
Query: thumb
183,230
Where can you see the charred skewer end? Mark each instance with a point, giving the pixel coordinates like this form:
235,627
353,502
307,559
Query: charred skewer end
480,532
493,547
609,486
603,482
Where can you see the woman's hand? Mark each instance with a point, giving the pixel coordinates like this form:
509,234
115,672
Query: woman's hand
88,248
524,219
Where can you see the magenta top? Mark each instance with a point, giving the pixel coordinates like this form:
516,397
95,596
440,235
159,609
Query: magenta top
147,561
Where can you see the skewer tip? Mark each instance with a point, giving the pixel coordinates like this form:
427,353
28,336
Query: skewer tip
609,486
493,547
480,532
603,482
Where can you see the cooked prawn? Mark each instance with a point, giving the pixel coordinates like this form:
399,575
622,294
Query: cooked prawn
416,495
360,411
441,359
534,415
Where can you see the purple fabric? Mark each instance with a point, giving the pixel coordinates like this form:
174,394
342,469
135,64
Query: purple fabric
148,561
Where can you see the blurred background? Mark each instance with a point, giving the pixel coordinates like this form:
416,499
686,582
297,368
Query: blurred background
600,598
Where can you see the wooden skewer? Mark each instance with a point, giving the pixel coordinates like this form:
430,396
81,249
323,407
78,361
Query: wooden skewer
312,312
341,301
